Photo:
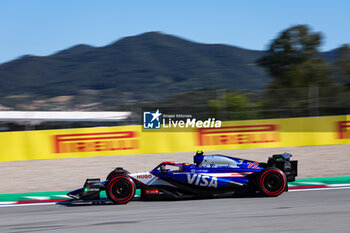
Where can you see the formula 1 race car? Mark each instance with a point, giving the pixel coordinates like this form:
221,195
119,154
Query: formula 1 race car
209,176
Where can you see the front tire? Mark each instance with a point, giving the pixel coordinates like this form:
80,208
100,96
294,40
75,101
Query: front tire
120,189
116,172
272,182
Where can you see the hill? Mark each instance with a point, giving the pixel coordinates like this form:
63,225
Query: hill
150,65
146,67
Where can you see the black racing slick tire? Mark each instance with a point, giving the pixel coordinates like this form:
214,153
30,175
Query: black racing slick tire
272,182
116,172
121,189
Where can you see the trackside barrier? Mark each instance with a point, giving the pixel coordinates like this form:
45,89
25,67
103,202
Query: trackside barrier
122,140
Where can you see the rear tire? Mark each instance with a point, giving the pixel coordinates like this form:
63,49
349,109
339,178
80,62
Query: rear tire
272,182
120,189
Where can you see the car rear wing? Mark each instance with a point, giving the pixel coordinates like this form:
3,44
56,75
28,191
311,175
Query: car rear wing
283,162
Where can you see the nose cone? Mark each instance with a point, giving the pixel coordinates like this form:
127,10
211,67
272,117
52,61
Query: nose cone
76,194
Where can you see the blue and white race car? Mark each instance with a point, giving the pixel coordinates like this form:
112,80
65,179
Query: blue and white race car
209,176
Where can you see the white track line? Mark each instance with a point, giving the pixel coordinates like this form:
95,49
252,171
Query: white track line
7,203
37,197
317,189
306,183
29,204
65,196
338,185
332,187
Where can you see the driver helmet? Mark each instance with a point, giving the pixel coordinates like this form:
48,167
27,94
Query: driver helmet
199,152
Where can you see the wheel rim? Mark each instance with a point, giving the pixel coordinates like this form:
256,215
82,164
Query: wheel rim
121,189
273,183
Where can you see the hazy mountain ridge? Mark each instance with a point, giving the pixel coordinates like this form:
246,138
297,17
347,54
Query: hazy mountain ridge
149,65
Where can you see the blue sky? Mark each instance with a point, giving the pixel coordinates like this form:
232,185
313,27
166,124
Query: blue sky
42,27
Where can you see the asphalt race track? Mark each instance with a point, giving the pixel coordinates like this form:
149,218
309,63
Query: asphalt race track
307,211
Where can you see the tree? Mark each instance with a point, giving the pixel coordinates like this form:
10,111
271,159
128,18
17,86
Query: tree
342,62
233,106
341,69
291,54
293,62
